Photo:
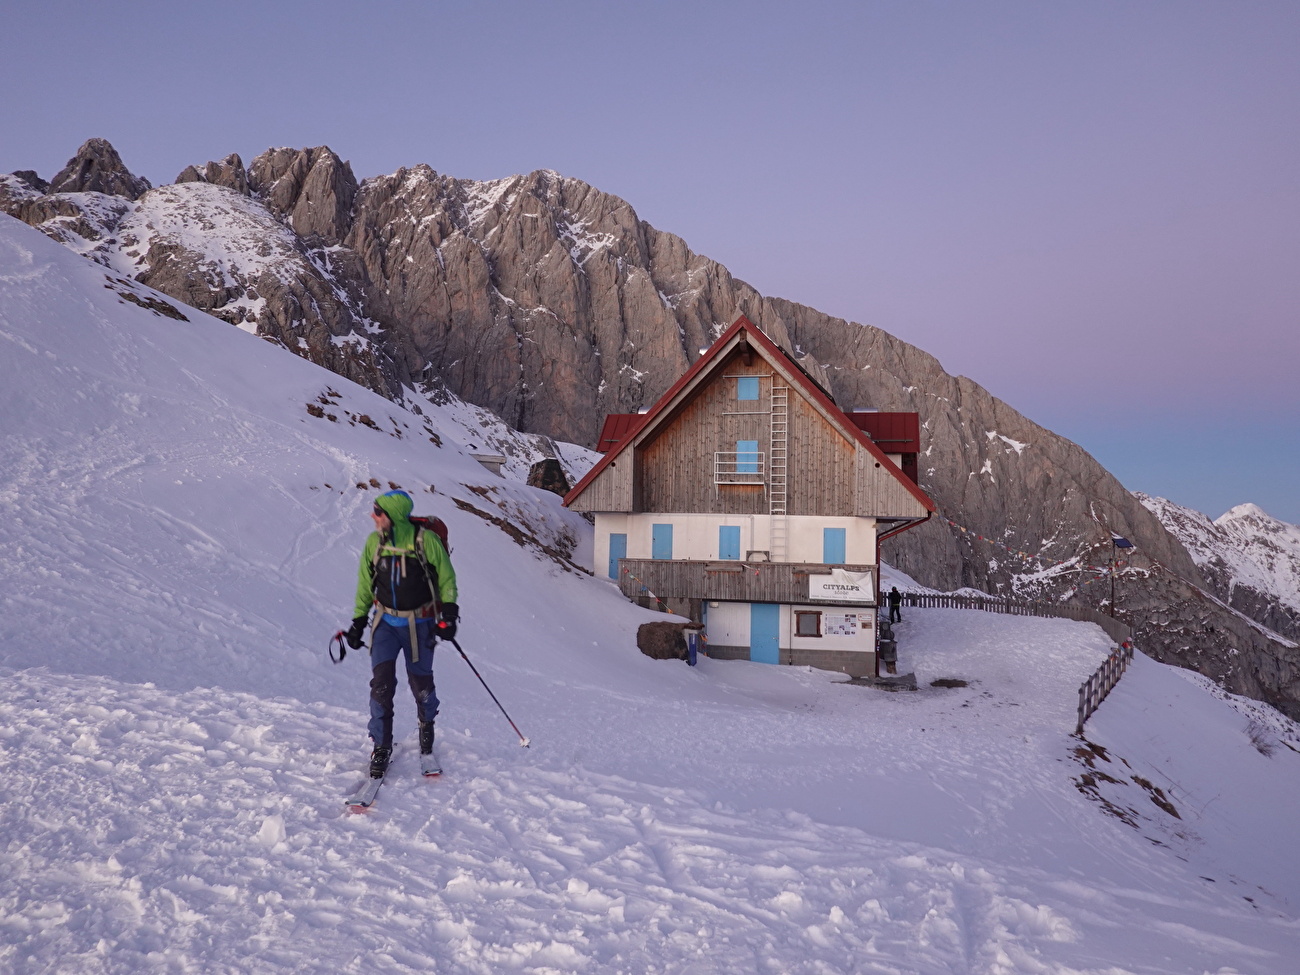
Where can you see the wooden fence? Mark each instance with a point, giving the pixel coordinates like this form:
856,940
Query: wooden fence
1092,691
1117,631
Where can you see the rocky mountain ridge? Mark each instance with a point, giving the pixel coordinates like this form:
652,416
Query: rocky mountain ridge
551,304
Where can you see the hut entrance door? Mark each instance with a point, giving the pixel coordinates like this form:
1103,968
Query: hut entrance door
764,633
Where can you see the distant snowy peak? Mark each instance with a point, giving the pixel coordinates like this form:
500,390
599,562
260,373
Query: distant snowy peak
1271,545
1249,511
1248,555
1246,527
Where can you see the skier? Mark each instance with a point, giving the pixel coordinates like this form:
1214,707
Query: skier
895,601
414,595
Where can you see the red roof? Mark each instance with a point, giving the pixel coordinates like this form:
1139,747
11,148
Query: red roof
812,390
615,429
894,433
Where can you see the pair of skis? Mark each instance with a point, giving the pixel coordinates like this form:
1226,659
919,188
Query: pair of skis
364,797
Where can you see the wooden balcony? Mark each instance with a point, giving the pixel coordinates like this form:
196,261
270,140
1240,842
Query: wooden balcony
750,582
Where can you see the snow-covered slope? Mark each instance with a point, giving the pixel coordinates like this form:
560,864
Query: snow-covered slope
180,520
232,255
1251,558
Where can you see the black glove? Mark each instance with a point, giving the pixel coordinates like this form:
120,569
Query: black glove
450,615
356,635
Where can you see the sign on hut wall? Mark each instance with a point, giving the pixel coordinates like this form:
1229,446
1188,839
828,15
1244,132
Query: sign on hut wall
842,586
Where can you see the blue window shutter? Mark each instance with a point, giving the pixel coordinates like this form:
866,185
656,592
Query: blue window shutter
661,541
747,387
746,456
833,546
729,542
617,550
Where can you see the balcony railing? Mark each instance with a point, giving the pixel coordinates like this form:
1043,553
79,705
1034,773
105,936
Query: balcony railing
739,467
751,582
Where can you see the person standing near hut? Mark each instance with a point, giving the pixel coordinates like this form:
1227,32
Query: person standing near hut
895,601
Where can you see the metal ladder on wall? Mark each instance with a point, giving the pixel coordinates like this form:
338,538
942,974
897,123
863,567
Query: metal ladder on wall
777,460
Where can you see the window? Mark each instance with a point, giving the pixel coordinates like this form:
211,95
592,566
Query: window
746,456
747,387
833,545
807,623
729,542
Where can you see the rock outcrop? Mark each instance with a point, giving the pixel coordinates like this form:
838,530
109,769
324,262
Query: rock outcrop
97,168
551,304
310,189
548,475
229,173
30,179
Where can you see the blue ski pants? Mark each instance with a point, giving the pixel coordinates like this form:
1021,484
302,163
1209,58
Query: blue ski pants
391,642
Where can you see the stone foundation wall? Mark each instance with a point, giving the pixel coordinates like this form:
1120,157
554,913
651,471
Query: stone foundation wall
853,663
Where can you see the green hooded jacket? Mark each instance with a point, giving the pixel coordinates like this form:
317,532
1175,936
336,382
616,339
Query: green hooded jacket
397,505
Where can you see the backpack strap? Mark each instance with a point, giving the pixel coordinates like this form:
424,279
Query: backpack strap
374,564
424,564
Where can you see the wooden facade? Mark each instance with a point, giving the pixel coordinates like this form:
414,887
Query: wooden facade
666,463
611,489
880,494
764,582
675,467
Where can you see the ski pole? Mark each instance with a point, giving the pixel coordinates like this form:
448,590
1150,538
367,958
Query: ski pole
522,740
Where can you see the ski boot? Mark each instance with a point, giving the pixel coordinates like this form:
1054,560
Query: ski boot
379,761
426,737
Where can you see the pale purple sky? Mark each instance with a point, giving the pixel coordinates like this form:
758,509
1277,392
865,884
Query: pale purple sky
1091,208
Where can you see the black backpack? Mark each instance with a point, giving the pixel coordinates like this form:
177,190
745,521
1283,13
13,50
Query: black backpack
422,525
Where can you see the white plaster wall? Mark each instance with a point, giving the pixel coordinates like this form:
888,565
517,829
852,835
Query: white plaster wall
695,536
805,535
727,625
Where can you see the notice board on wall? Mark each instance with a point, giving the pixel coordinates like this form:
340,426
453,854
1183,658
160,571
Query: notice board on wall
845,624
